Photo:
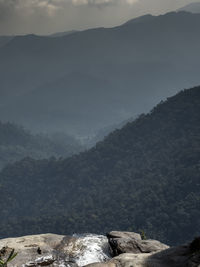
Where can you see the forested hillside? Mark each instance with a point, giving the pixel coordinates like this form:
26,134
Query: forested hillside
144,176
17,143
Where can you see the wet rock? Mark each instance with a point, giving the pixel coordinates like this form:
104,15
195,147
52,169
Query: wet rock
43,261
125,260
180,256
56,250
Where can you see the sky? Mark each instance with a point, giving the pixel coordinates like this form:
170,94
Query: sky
49,16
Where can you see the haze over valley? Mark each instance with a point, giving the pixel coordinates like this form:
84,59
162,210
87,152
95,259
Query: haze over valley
88,80
99,133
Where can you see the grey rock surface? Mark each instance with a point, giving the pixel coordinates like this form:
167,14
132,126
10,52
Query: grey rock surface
126,242
59,251
118,234
39,250
55,250
128,245
180,256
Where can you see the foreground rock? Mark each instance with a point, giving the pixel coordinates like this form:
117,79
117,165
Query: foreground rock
118,234
78,251
127,242
35,250
55,250
180,256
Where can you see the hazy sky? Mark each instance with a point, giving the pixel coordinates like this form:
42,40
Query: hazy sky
48,16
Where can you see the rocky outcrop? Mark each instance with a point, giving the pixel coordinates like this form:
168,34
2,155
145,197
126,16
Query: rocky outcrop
173,257
55,250
150,253
127,242
39,250
34,250
65,251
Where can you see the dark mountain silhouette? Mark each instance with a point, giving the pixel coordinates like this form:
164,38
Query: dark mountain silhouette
90,79
142,19
60,34
5,39
144,176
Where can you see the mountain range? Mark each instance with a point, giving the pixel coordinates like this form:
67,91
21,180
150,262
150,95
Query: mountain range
88,80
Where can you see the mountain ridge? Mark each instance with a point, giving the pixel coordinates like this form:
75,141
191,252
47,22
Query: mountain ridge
122,56
192,7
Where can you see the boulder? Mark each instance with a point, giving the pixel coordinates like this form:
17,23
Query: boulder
128,245
126,242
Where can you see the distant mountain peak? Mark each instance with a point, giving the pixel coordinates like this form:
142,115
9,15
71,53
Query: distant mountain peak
61,34
192,7
149,18
140,19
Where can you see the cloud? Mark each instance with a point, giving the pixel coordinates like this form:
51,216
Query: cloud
103,2
43,16
47,16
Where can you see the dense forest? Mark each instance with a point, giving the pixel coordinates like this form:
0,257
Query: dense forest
17,143
144,176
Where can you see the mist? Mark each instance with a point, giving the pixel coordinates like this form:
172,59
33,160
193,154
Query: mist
49,16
